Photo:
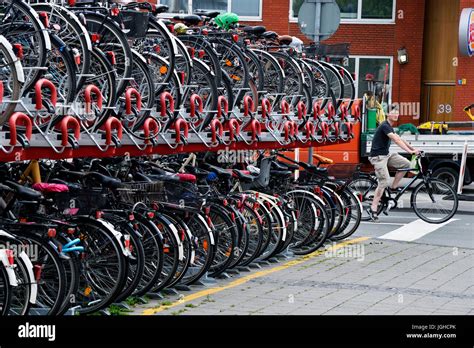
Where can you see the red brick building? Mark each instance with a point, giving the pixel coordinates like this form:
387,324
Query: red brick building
431,83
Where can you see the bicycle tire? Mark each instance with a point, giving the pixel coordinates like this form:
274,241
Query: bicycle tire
5,292
12,79
29,23
112,39
431,186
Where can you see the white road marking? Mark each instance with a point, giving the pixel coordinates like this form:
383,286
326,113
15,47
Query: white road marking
414,230
382,223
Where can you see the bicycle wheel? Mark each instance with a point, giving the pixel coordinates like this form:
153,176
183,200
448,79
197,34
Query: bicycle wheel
160,41
185,260
72,32
255,232
204,51
204,246
434,201
20,24
348,85
256,72
294,79
103,265
153,247
336,82
243,239
225,89
364,187
337,210
172,251
20,303
160,66
5,292
322,89
226,240
352,214
72,267
184,63
50,274
204,84
112,39
136,259
142,81
307,223
274,82
102,75
277,228
233,61
61,71
11,75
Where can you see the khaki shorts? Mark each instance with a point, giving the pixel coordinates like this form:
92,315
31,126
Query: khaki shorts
381,164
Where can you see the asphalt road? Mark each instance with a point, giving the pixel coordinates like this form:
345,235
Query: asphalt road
459,232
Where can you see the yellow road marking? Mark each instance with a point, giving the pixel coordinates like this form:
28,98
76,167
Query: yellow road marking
243,280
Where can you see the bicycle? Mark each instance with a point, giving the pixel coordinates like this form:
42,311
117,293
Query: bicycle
425,199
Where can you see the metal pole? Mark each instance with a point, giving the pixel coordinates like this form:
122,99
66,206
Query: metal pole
462,170
317,33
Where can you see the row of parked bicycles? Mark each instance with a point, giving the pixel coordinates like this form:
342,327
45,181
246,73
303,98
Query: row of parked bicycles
133,108
96,232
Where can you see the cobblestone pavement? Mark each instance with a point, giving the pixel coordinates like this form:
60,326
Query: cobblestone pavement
361,276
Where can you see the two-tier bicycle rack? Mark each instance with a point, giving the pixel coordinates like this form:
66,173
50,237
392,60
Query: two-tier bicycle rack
169,130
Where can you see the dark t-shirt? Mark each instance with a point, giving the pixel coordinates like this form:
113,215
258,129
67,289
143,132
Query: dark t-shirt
381,141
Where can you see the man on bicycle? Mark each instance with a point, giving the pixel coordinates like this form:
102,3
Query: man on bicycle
381,159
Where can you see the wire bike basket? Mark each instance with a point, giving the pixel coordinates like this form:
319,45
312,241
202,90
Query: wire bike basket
81,203
173,194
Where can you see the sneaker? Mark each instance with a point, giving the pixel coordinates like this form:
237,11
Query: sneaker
394,191
373,215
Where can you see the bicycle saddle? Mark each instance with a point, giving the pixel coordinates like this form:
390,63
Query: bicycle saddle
270,35
206,13
219,171
243,176
104,180
167,22
322,159
280,172
285,40
256,30
50,187
160,9
198,172
279,166
318,170
71,186
189,20
289,165
24,192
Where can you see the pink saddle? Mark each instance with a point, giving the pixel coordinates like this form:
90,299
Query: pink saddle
50,188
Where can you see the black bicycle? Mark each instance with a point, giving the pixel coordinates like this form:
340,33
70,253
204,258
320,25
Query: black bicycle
433,200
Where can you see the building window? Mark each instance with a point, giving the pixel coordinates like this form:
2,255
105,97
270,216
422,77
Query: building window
247,9
365,68
357,11
377,9
176,6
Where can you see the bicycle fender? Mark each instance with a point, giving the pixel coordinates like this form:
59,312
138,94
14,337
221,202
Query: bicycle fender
10,272
33,284
211,235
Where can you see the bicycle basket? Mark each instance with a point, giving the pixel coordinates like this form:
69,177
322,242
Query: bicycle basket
81,203
176,194
136,22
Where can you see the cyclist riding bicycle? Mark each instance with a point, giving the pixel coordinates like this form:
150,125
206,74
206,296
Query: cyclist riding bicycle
381,159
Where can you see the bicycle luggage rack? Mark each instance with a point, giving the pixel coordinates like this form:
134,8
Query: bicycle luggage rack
170,130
